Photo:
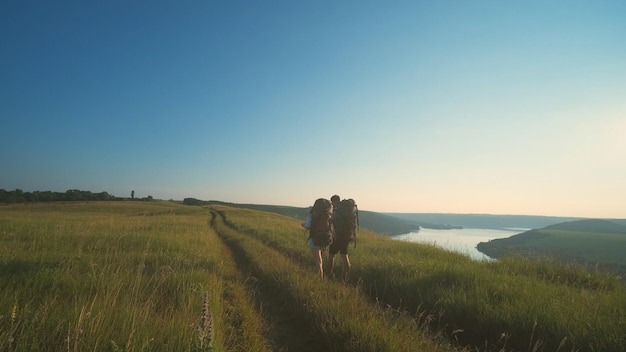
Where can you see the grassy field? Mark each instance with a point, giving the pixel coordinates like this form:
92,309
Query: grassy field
160,276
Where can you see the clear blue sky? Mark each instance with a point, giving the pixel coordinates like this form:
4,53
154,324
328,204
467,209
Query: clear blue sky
500,107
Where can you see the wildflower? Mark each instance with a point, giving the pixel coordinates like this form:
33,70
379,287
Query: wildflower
205,328
14,312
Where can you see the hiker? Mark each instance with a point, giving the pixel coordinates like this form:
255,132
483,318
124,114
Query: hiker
319,224
335,200
345,222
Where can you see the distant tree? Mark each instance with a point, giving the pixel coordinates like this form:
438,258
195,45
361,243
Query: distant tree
132,194
103,196
73,195
46,196
19,196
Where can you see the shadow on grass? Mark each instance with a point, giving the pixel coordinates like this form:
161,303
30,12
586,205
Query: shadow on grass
290,330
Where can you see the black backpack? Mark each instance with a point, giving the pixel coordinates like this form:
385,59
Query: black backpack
321,230
346,220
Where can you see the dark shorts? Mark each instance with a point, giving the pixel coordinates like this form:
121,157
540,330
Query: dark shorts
339,246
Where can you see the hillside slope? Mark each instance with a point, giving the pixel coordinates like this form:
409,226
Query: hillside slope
591,225
590,241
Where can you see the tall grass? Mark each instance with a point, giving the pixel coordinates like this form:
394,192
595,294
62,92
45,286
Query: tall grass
513,304
115,276
337,317
525,302
155,276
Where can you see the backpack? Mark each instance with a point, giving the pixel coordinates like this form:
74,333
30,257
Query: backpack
346,220
321,230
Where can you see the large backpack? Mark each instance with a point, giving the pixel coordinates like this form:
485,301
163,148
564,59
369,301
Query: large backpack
321,230
346,220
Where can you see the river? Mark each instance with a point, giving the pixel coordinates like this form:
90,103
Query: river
459,240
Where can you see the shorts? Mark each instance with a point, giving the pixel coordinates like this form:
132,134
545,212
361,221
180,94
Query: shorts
311,244
339,246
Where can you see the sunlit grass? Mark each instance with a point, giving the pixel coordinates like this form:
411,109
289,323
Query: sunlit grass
527,302
113,276
140,276
504,304
340,317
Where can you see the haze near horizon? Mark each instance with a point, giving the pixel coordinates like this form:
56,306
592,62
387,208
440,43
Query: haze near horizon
429,107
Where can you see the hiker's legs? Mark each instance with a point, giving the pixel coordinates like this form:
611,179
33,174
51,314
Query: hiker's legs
331,263
346,265
339,247
317,255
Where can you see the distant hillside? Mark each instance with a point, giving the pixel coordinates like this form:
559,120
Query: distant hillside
294,212
589,241
376,222
483,221
591,225
618,221
385,224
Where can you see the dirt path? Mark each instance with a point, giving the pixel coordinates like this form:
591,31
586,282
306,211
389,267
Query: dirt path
287,329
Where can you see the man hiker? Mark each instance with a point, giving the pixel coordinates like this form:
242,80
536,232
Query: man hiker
344,233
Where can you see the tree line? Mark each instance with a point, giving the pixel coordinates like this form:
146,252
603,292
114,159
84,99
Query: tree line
72,195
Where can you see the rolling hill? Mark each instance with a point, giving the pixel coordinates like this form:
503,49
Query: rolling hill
591,241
